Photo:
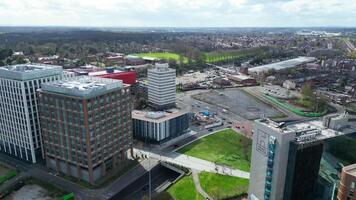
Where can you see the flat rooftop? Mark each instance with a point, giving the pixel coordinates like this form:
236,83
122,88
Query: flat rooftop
307,131
29,71
103,72
241,77
83,86
350,169
156,117
282,65
161,68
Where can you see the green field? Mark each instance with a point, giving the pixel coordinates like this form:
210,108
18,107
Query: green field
184,189
224,147
6,174
220,186
165,56
219,56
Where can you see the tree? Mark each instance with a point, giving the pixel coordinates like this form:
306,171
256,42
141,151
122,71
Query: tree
307,92
20,60
5,53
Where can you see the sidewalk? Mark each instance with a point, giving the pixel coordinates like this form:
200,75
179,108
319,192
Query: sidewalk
198,186
194,163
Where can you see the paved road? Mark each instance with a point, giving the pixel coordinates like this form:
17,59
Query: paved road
194,163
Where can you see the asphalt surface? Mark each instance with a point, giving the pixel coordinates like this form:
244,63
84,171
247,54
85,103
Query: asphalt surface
160,176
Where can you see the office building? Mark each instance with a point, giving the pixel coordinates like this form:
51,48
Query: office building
159,127
86,126
161,87
20,133
347,186
286,159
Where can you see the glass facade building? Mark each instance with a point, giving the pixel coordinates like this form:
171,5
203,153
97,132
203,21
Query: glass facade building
159,130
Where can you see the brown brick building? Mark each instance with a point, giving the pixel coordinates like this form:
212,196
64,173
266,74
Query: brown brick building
347,186
86,126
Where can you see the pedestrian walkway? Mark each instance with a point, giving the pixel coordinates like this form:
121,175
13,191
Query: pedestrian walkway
194,163
198,186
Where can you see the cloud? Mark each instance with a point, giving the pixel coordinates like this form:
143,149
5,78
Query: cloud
178,12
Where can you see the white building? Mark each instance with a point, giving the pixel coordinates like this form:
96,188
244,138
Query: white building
20,133
161,86
290,85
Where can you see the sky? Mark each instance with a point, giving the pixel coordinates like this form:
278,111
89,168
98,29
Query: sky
179,13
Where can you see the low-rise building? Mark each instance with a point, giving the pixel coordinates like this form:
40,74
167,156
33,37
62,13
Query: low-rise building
242,79
159,127
290,85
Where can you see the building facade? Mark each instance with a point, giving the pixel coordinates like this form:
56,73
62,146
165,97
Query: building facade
86,126
20,130
159,127
161,87
286,159
347,186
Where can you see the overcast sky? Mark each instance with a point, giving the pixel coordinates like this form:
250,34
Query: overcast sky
179,13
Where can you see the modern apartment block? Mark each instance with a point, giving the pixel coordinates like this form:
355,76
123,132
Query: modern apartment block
161,87
20,133
347,186
86,126
159,127
286,159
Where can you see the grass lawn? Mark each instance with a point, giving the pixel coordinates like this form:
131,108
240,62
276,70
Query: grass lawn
165,55
224,147
184,189
220,186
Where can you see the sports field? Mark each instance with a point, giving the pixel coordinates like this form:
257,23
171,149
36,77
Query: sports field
164,55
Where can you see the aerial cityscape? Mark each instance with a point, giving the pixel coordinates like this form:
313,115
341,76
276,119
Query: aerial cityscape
178,100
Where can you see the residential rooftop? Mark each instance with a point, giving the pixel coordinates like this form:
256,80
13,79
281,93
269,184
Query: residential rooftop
29,71
157,117
83,86
282,65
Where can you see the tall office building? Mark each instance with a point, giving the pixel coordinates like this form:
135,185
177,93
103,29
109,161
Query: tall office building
347,186
86,126
161,87
286,159
20,133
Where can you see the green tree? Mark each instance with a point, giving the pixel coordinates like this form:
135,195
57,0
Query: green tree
307,92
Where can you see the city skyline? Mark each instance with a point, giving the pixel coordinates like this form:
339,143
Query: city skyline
183,13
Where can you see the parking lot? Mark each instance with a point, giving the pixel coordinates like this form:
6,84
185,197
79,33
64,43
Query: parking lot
238,102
